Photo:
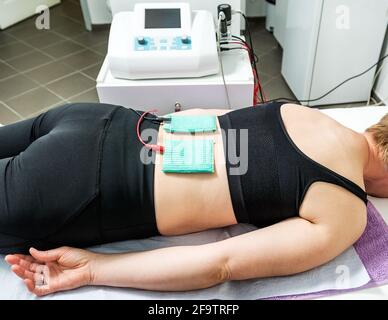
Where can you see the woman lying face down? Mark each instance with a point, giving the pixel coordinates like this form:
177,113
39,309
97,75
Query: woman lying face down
76,176
376,175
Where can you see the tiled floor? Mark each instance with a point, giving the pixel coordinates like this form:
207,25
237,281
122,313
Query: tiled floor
40,69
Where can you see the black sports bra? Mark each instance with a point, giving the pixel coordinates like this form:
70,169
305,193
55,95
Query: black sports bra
271,185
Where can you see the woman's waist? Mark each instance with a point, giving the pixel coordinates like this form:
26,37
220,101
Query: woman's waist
127,169
190,207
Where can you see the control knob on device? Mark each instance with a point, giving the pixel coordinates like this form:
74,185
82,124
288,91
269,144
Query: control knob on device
141,40
185,39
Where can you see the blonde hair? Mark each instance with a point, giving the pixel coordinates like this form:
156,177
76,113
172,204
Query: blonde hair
379,132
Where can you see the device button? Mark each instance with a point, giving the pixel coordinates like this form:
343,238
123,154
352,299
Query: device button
141,40
185,39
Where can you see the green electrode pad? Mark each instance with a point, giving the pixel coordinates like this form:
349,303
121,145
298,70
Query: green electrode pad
190,124
188,156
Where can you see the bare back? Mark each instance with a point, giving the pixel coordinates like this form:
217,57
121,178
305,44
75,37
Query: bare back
186,203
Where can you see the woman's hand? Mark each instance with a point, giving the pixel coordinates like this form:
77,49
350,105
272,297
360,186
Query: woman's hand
46,272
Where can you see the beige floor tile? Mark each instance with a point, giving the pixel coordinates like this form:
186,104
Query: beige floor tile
89,96
62,49
82,59
14,50
33,101
29,61
15,85
50,72
7,116
71,85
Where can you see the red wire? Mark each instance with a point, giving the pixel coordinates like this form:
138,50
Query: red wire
260,87
244,46
257,85
262,91
153,147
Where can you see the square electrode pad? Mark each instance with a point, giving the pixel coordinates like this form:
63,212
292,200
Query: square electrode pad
190,124
188,156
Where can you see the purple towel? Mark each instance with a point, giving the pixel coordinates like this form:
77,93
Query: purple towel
372,248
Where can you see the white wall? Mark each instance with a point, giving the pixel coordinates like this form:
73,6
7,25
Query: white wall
127,5
381,88
255,8
99,12
14,11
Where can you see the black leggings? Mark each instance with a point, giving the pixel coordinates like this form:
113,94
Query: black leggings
73,176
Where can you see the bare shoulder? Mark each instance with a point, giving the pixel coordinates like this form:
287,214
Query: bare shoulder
326,139
307,113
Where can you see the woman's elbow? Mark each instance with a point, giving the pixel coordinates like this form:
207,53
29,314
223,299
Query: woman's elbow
220,272
223,272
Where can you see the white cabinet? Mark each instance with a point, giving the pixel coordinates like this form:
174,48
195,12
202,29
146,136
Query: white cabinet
13,11
276,12
328,41
203,92
381,88
280,21
96,12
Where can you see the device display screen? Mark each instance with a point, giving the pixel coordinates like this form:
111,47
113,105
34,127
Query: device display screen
162,18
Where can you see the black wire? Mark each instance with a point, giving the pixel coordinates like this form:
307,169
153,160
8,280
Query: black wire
288,99
335,88
154,120
237,48
241,39
253,50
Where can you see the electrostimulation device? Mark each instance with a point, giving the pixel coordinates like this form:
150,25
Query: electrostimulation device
163,40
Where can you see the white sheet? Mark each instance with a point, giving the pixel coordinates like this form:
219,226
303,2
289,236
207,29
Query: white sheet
322,278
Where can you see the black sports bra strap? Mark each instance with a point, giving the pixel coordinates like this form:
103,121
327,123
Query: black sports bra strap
319,172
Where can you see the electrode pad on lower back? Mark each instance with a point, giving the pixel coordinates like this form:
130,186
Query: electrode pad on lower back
190,124
188,156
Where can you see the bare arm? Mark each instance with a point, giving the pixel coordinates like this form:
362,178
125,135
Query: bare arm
288,247
291,246
167,269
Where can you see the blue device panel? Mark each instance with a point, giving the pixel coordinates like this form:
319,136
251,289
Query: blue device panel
162,44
